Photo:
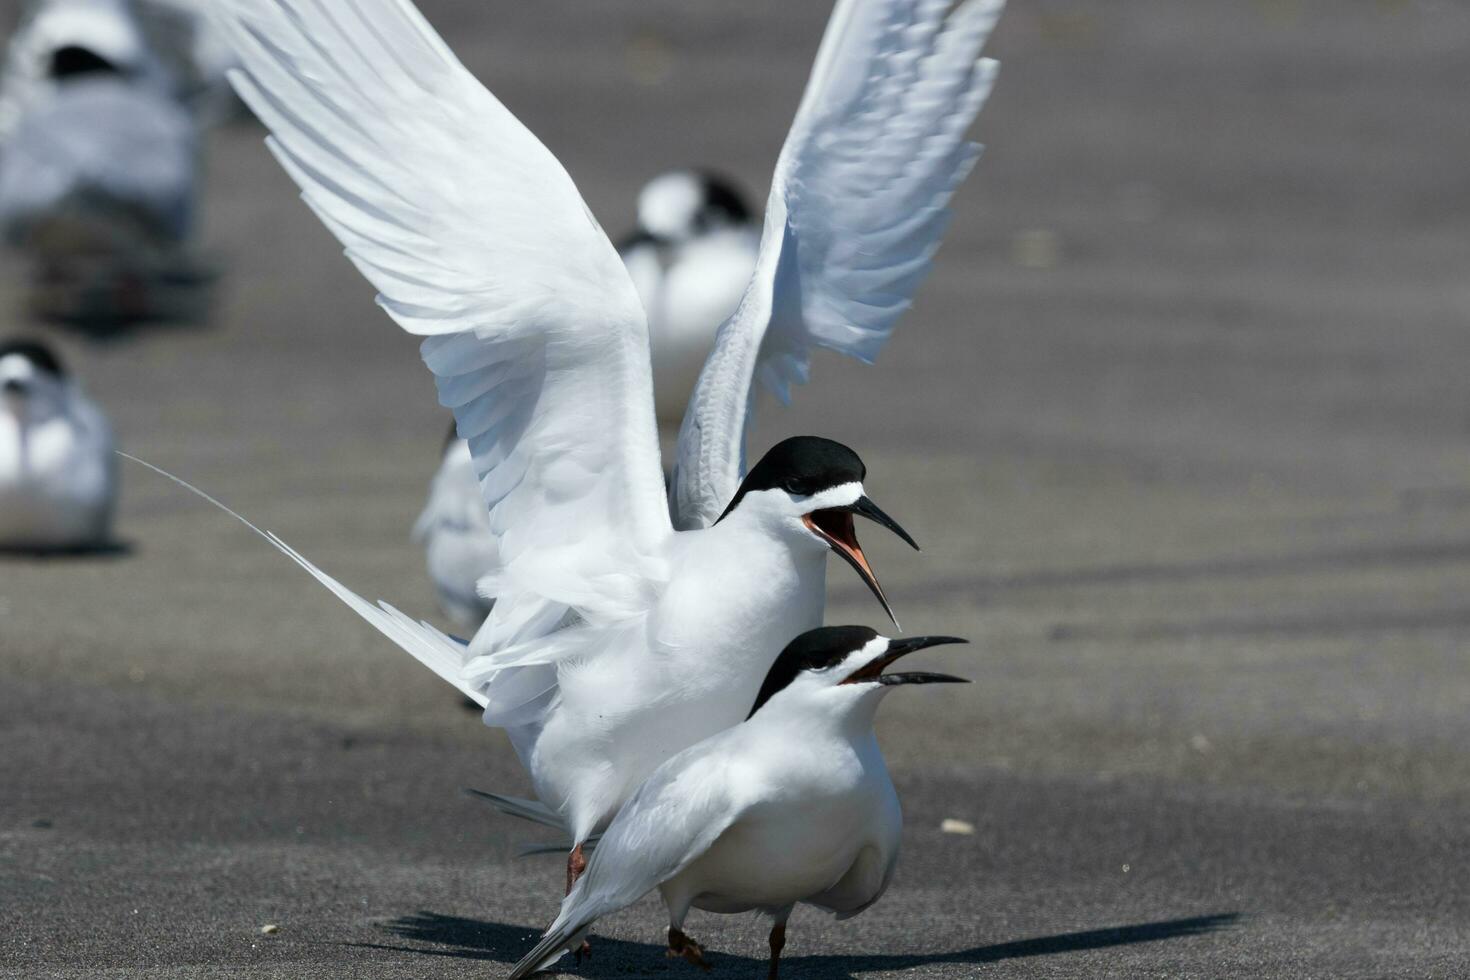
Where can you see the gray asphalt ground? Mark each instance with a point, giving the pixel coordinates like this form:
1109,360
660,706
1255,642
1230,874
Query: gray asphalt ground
1181,420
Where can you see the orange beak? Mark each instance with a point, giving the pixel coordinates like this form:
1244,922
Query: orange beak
835,526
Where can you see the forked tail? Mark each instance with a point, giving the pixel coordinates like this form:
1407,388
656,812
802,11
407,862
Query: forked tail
515,806
441,653
538,813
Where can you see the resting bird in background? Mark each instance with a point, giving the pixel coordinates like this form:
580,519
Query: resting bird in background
690,259
98,165
616,641
58,474
793,805
61,40
454,529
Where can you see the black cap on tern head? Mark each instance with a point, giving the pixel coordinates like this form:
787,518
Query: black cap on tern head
41,356
74,61
678,205
802,466
723,198
807,465
815,649
828,646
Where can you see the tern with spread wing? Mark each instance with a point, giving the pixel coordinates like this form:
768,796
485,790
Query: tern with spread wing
690,258
615,640
793,805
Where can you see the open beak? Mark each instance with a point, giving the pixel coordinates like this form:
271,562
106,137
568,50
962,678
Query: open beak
901,648
834,525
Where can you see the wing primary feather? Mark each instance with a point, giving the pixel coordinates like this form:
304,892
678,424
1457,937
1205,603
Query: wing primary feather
858,205
477,240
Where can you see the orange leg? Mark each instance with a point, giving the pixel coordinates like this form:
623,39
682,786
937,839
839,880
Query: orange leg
576,864
778,942
681,945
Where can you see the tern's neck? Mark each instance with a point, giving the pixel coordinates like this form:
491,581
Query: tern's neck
751,518
845,713
752,545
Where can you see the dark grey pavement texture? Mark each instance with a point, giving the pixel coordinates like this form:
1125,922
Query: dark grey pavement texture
1181,420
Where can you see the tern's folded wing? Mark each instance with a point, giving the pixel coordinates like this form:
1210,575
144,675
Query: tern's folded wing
478,241
672,819
857,208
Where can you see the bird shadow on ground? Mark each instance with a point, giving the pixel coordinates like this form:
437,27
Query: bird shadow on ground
473,939
108,549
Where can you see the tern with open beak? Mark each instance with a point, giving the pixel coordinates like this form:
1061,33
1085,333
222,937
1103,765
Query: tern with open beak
793,805
629,623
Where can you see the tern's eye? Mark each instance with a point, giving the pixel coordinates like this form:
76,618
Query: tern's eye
799,488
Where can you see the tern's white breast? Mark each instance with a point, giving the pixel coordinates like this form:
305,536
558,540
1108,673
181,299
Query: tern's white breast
734,600
827,828
57,481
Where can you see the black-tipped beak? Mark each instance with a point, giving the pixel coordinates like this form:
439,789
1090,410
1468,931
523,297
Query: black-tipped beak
834,525
873,671
870,510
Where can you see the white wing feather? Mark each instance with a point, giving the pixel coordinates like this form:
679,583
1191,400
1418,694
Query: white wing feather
477,240
857,208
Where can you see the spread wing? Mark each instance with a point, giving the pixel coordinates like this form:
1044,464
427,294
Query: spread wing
478,241
857,208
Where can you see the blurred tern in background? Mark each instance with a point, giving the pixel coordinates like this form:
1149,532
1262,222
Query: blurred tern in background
58,474
198,53
459,544
174,46
793,805
616,642
62,40
690,259
98,167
